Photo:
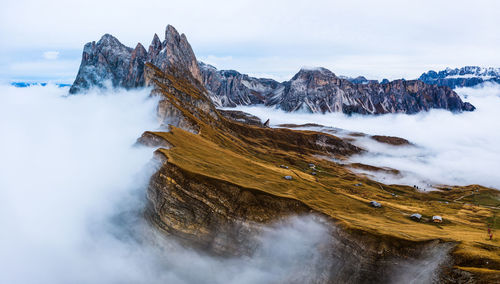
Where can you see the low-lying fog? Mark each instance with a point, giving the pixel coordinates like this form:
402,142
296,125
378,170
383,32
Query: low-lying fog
453,149
72,189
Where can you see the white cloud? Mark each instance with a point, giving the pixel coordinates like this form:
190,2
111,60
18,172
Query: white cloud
72,194
51,55
452,148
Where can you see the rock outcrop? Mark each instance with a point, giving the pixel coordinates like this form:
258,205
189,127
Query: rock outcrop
467,76
242,117
109,63
320,90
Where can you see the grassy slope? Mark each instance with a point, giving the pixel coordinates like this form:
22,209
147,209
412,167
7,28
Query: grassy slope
249,157
333,192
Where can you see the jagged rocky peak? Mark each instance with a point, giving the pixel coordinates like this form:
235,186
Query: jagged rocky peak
318,75
109,40
135,75
139,49
467,76
108,60
315,70
154,48
176,52
109,63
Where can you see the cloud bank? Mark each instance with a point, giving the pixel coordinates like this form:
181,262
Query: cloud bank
450,148
72,189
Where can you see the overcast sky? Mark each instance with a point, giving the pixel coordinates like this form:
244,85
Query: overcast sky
43,39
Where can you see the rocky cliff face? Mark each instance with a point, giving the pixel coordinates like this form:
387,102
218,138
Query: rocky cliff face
105,61
320,90
223,218
229,88
110,62
467,76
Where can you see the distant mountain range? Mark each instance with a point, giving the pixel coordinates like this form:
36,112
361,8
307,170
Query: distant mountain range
109,63
320,90
467,76
28,84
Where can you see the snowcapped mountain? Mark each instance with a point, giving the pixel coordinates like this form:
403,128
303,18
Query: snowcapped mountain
467,76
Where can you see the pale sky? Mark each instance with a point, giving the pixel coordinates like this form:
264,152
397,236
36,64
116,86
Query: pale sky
43,40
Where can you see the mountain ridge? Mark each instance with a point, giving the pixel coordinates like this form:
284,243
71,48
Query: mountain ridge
320,90
313,90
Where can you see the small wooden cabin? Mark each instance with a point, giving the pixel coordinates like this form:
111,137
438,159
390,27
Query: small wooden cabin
437,219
